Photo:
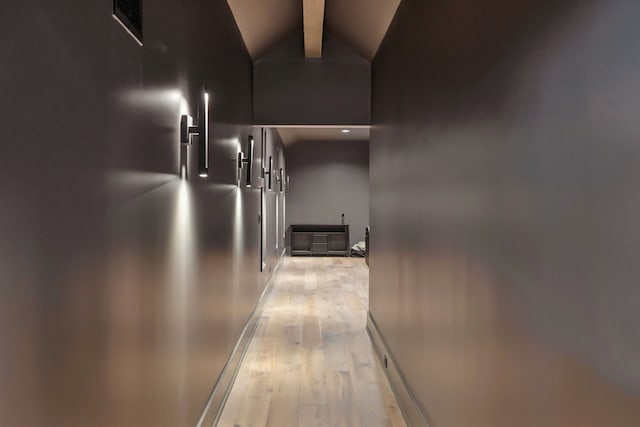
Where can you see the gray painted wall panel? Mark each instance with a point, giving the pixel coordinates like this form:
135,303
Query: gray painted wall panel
333,90
504,210
327,179
123,288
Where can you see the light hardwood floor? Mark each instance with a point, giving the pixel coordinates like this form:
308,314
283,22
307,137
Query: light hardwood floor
310,362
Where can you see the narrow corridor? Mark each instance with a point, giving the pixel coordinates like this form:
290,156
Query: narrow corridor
310,362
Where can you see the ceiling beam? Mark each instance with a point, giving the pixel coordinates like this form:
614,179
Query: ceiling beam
313,17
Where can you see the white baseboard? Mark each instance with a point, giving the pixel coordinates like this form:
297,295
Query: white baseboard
411,410
220,393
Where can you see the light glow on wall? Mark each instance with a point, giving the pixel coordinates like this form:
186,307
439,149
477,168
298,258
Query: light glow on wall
238,249
181,280
183,241
184,106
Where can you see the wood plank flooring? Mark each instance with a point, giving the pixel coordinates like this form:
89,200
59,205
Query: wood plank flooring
311,363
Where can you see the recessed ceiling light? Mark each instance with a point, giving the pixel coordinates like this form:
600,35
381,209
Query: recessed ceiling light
345,131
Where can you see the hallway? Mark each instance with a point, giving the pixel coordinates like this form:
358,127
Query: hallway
159,158
310,362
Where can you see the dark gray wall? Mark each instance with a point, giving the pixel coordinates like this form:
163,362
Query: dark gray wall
290,89
327,179
123,288
504,210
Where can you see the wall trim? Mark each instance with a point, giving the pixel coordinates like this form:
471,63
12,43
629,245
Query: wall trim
413,413
221,390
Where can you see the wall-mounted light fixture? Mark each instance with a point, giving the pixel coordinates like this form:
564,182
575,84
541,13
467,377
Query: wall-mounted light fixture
246,160
187,129
280,179
269,172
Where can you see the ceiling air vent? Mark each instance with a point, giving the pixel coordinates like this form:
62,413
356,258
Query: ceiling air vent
129,13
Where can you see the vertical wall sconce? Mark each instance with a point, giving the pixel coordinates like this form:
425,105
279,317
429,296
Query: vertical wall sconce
187,129
246,160
280,178
269,172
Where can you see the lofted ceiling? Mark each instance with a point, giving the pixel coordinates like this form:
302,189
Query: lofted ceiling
294,134
360,23
264,23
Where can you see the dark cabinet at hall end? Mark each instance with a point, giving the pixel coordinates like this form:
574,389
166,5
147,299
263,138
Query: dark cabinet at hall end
319,240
